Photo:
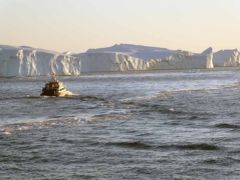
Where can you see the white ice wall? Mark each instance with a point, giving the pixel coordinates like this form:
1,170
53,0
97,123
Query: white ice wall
27,61
17,61
226,58
110,62
183,60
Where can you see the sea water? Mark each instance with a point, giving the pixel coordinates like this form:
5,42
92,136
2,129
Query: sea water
154,125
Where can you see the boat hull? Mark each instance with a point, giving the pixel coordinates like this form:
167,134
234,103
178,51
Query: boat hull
56,93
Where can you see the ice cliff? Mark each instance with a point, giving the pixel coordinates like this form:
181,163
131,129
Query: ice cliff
110,62
183,60
123,57
148,58
226,58
27,61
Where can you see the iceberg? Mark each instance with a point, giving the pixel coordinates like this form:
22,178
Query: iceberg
183,60
125,57
207,51
137,51
226,58
110,62
27,61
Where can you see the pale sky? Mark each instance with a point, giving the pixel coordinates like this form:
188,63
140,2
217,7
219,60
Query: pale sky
76,25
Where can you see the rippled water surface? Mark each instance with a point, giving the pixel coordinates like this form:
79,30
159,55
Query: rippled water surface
160,125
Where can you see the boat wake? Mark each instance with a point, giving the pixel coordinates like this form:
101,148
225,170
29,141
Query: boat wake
60,121
43,124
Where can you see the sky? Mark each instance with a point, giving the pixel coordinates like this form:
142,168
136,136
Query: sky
77,25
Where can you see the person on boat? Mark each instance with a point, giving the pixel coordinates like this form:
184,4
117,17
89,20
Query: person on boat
53,76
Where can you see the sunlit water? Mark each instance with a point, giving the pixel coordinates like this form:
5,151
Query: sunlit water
176,125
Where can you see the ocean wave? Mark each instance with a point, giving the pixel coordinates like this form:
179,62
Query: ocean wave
222,161
86,98
165,95
131,145
225,125
194,146
201,146
143,145
233,85
74,96
110,116
143,108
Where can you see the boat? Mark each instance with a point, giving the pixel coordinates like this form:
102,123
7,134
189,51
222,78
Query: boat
55,88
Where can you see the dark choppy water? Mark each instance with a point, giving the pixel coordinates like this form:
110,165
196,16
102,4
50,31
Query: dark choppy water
178,125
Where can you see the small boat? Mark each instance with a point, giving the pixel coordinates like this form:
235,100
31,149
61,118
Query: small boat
55,88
